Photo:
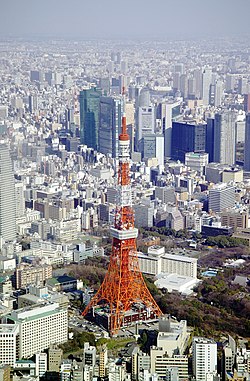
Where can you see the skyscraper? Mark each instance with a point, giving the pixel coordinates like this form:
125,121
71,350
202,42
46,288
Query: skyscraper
89,117
247,144
146,122
219,90
210,139
110,125
7,197
169,112
224,137
152,146
187,137
206,82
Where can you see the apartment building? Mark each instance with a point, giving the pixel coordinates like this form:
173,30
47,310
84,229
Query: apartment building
26,274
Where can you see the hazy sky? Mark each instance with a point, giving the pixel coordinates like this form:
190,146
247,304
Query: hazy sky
125,18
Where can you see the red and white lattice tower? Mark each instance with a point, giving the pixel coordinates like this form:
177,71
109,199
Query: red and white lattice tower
123,285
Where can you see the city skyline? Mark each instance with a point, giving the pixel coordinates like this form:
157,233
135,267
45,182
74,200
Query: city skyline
161,20
86,167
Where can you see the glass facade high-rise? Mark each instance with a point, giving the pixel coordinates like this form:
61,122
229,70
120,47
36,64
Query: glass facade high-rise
224,137
187,137
89,117
7,197
210,139
110,120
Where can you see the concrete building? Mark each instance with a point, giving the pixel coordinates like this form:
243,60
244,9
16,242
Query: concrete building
165,194
156,261
55,356
65,370
232,174
116,372
89,355
214,172
176,283
19,197
204,357
41,364
152,146
34,322
62,283
217,173
160,363
236,218
196,161
179,264
144,215
4,372
146,122
228,360
243,234
38,295
27,274
9,339
140,362
172,336
174,219
221,197
5,285
103,360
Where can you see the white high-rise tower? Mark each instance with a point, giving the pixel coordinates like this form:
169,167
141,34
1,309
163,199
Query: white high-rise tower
7,197
206,83
204,358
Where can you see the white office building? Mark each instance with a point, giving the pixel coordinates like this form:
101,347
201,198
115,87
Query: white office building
172,336
204,357
41,364
156,261
196,161
221,197
146,122
206,83
160,363
40,327
9,334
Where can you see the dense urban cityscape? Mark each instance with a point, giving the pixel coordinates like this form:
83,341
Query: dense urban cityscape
124,209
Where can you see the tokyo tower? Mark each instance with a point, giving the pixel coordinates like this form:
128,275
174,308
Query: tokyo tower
123,285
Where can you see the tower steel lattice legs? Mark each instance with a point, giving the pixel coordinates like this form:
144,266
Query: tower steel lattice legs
123,285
